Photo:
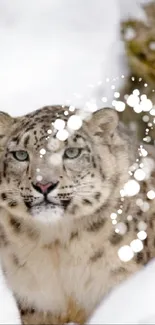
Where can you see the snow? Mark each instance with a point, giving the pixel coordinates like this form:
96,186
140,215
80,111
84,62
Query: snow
130,303
8,310
61,52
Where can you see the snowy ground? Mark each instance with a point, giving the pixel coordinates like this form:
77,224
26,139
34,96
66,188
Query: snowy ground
8,310
62,51
131,303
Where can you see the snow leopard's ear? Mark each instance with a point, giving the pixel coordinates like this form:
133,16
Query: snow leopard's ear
103,122
6,123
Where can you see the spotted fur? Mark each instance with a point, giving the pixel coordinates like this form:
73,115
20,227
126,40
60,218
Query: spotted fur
59,249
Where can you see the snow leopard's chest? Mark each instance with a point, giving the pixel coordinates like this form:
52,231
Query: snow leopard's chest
48,278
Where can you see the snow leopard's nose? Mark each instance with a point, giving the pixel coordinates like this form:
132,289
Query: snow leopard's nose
45,188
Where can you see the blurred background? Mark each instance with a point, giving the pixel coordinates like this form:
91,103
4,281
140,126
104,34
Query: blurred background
62,52
55,51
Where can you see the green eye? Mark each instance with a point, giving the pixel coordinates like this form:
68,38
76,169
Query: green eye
20,155
72,153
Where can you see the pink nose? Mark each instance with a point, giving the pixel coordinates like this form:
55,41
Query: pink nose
44,187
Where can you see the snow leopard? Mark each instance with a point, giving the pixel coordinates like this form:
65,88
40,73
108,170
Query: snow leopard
61,188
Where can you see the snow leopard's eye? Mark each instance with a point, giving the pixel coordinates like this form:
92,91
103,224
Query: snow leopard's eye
72,153
20,155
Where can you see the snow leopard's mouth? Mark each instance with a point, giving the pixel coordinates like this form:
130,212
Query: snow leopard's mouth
48,204
46,211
